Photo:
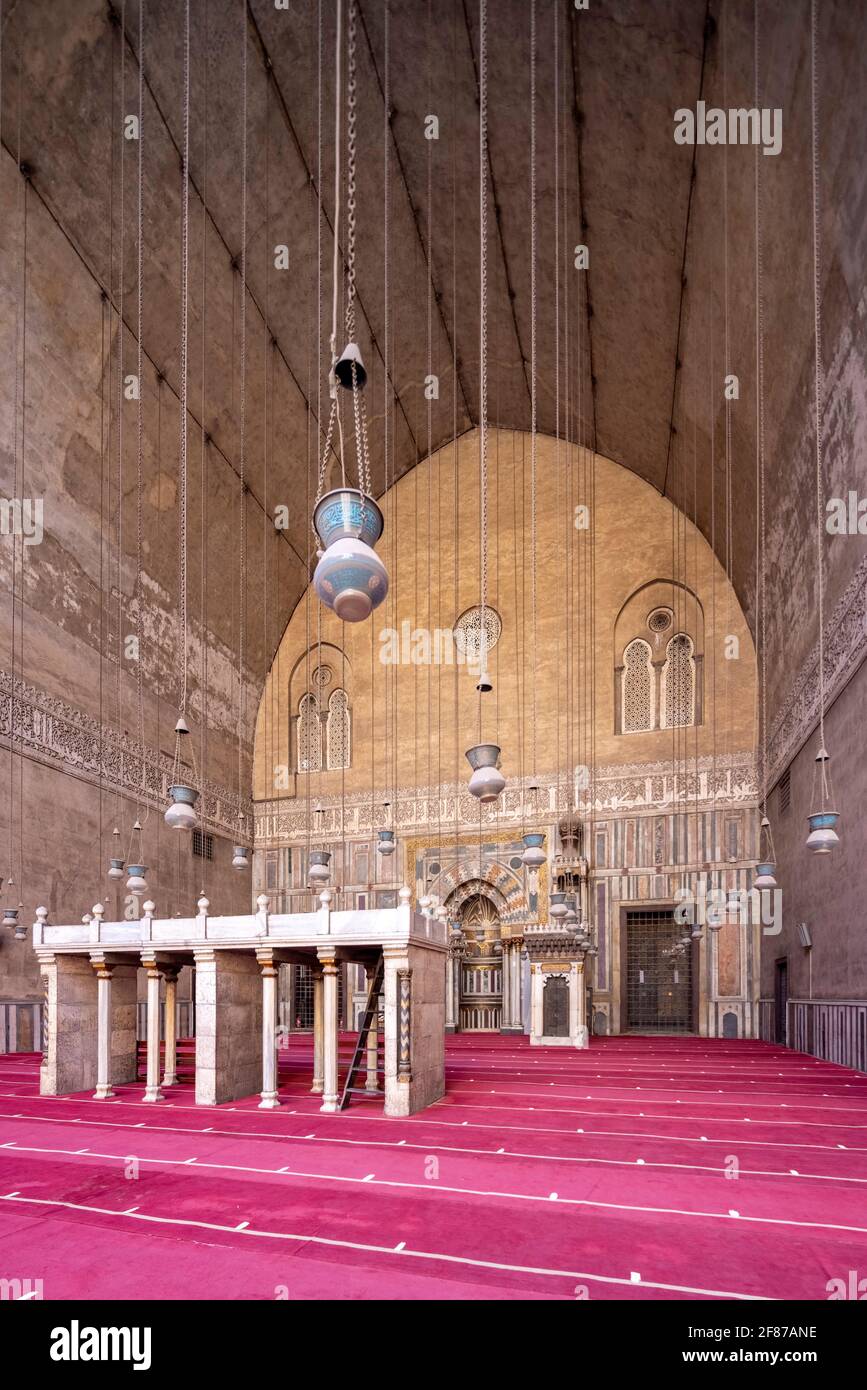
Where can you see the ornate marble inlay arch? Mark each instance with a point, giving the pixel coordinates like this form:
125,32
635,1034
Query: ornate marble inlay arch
476,888
461,879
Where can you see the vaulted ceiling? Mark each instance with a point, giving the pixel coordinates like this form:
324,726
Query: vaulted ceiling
631,351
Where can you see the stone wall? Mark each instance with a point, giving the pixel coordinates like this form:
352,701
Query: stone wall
825,891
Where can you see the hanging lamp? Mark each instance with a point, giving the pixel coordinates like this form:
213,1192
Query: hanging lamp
116,863
823,824
10,914
534,855
557,905
181,814
350,578
320,867
486,779
240,853
767,860
136,882
385,838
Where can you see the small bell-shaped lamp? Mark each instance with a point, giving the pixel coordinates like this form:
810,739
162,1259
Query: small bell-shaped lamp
823,823
115,869
767,859
385,838
181,814
136,882
534,855
486,781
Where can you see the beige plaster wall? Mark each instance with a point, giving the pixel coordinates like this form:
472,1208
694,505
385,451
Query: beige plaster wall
412,723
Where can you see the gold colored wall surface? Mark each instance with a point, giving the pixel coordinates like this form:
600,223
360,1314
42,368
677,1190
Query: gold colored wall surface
412,722
664,808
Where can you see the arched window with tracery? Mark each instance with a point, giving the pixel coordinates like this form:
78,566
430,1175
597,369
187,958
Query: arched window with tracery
309,735
678,684
637,689
338,730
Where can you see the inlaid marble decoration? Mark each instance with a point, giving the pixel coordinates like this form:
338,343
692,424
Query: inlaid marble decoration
53,732
845,649
435,811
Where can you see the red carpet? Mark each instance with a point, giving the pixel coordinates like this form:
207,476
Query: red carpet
643,1168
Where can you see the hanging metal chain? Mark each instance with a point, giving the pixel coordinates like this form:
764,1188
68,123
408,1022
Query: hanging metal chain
185,268
760,431
483,320
556,138
204,455
323,463
819,376
351,119
360,421
533,358
242,594
139,525
362,454
120,394
361,447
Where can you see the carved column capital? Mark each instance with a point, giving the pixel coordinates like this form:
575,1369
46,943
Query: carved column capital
266,962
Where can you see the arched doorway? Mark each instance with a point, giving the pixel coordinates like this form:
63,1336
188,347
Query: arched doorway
481,965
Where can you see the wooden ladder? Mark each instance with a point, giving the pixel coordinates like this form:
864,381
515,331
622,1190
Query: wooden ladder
359,1056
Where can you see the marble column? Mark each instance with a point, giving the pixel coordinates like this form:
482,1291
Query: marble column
581,1039
318,1021
103,1030
517,1020
270,1099
152,1088
506,986
372,1081
537,984
450,992
404,1039
170,1072
330,971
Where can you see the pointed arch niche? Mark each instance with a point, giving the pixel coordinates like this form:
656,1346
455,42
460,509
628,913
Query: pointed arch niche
659,659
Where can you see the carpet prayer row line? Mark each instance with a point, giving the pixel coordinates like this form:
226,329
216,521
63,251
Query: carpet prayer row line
640,1168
